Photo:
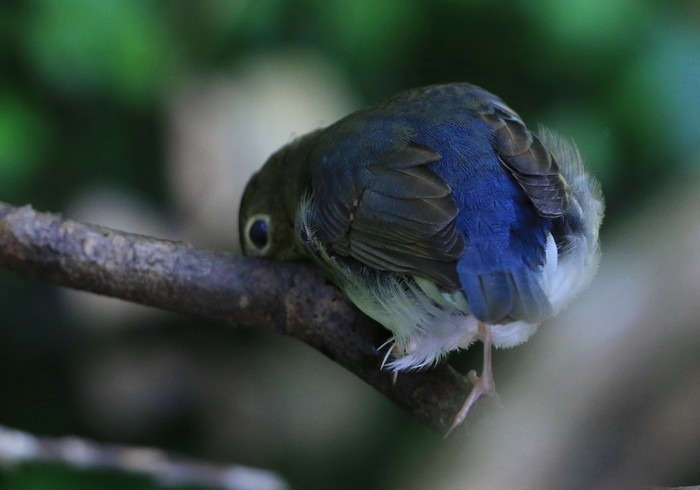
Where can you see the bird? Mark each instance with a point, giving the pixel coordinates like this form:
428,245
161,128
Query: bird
440,215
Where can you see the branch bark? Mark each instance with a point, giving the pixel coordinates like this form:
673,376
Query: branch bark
292,299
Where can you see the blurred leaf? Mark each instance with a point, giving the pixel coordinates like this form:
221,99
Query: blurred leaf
370,29
118,45
260,19
671,75
658,97
23,143
591,25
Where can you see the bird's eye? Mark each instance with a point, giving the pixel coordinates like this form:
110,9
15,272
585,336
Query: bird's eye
258,231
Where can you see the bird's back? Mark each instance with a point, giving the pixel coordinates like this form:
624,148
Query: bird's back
505,237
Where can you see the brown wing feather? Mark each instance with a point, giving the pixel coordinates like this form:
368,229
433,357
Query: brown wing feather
398,216
532,165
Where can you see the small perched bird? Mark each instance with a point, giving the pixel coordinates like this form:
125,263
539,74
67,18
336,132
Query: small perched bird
440,215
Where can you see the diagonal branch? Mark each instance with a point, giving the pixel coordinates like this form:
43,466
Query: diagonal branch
286,298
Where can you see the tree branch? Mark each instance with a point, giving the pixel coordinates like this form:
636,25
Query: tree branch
293,299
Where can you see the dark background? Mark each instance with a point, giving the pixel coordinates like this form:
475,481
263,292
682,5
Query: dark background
150,116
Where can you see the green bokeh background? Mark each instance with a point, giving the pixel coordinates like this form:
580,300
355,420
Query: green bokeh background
82,101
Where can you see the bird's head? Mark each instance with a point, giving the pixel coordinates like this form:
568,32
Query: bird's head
270,202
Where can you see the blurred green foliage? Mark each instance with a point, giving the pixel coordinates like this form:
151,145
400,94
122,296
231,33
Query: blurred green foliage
84,84
85,80
39,477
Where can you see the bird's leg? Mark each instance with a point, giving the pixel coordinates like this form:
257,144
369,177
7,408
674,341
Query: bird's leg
483,385
393,351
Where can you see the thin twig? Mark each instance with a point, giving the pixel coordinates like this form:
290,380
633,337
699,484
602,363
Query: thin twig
19,447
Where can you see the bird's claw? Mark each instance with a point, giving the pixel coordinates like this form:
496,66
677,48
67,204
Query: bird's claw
481,385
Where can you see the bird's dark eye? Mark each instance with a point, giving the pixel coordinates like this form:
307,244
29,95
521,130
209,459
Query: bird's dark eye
258,232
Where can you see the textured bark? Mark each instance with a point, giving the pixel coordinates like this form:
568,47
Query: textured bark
286,298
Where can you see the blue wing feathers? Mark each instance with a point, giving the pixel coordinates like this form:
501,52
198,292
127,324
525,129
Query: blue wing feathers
505,237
